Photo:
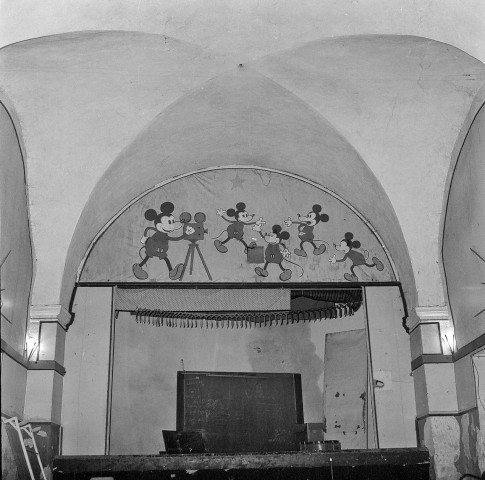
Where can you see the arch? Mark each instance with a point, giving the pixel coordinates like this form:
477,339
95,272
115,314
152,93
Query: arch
245,119
461,241
242,174
17,251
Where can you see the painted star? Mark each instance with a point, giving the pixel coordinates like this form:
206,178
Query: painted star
237,182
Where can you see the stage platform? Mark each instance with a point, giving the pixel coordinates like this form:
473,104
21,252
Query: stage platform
389,464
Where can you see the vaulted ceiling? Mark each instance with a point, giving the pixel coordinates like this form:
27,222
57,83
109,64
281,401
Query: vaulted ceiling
106,114
251,28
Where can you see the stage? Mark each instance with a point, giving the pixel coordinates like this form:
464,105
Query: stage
389,464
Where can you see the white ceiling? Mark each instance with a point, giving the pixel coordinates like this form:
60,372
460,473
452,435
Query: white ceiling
383,94
249,29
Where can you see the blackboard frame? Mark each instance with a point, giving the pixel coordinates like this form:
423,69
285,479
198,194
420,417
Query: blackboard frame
288,424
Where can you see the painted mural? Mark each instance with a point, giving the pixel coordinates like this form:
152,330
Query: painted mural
238,225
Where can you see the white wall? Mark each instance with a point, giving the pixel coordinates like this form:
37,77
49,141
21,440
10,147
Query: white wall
15,240
398,123
391,364
14,381
85,390
16,271
147,358
479,375
251,28
464,234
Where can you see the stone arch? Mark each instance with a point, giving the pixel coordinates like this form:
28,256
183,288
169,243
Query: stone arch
241,118
17,250
274,195
461,252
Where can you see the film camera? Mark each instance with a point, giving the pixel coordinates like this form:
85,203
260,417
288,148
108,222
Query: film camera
198,226
194,237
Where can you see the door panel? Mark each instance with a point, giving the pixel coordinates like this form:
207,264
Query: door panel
345,392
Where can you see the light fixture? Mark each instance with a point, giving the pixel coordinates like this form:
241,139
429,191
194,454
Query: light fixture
32,343
448,342
32,349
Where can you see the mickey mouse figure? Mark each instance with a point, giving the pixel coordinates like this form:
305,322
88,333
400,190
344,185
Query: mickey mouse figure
357,258
236,228
157,244
275,251
306,224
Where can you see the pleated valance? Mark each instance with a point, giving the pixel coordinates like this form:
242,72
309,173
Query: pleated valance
235,307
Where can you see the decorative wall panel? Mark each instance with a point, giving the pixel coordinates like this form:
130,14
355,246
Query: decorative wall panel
238,225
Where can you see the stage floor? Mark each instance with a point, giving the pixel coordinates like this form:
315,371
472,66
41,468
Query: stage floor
389,464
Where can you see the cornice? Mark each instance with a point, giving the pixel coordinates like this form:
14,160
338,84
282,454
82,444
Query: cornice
427,315
433,314
50,313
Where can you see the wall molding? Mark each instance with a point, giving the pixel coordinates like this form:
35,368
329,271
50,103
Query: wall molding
13,354
446,414
467,349
50,313
470,348
433,314
236,167
430,358
28,364
428,315
47,365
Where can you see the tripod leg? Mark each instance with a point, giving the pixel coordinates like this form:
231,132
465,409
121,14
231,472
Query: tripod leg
191,258
203,261
185,263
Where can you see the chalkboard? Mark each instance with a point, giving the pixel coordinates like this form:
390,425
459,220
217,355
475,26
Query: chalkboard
241,412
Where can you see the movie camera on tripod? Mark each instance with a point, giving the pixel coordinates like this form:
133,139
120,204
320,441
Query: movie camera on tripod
193,233
198,226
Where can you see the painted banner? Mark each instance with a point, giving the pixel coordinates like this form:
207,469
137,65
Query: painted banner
238,225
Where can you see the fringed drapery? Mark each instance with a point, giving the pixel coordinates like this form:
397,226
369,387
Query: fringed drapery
332,304
341,295
160,318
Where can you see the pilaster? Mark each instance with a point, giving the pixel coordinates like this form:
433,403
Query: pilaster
45,356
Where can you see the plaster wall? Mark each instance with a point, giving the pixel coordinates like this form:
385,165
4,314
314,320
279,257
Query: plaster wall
15,244
147,358
14,381
9,469
43,396
241,118
466,394
391,359
250,29
441,387
397,121
85,389
389,118
463,234
452,444
90,100
479,374
16,278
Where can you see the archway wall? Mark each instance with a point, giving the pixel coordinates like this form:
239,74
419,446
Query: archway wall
382,94
16,266
114,363
274,113
463,233
16,247
244,119
270,240
254,27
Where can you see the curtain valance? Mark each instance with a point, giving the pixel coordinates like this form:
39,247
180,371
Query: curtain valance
236,308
